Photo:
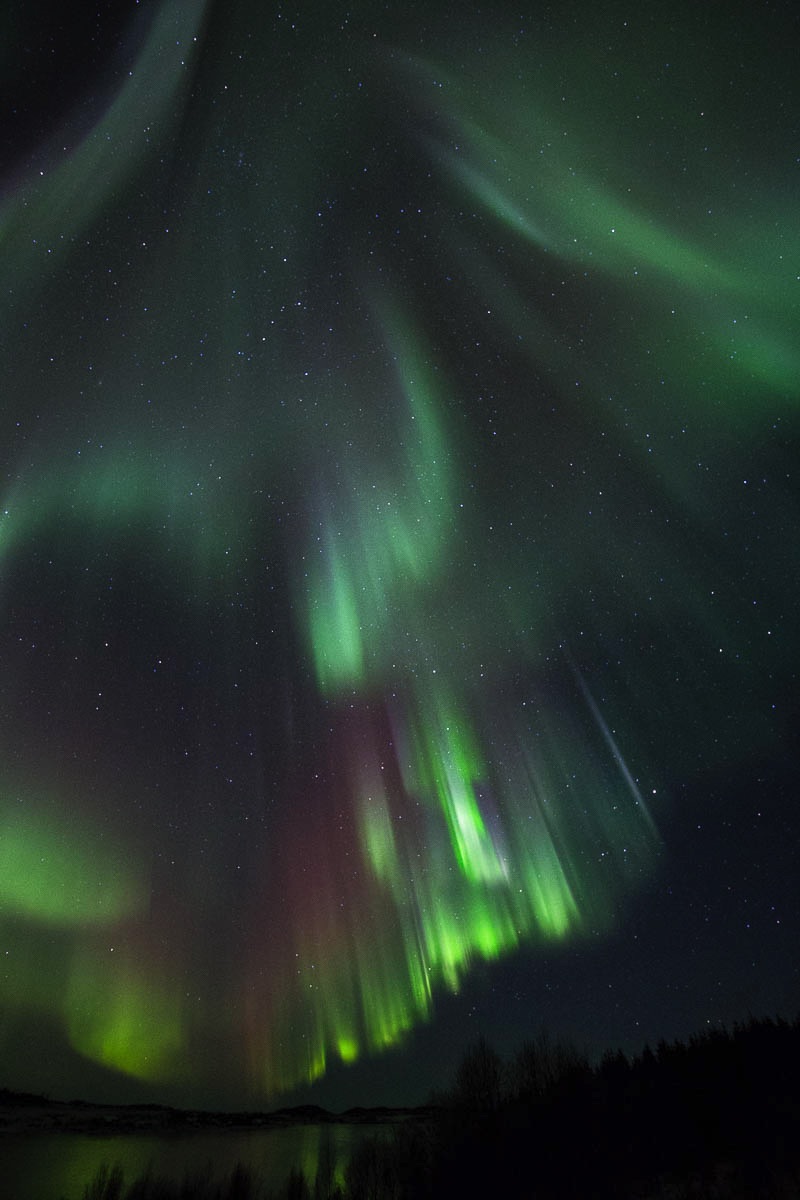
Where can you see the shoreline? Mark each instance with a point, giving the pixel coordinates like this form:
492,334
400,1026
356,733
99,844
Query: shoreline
38,1115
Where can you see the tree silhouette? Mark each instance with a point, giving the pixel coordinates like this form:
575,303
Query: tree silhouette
479,1078
545,1064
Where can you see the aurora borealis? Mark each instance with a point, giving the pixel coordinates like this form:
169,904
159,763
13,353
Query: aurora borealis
398,538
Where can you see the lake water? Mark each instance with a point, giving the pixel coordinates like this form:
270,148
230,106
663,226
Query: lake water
58,1166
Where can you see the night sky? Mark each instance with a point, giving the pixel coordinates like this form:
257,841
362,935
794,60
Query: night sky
398,538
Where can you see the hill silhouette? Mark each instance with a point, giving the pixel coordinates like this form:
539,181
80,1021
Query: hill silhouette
715,1116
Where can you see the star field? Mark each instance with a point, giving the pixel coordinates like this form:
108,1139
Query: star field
397,540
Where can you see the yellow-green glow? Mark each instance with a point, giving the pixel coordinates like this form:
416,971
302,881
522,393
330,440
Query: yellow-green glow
179,511
305,553
119,1016
336,629
461,877
384,536
58,871
347,1049
445,763
551,900
378,838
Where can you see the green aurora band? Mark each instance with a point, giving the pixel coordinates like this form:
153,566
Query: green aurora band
450,814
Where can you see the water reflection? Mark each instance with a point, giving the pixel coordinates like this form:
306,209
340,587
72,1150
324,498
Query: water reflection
59,1166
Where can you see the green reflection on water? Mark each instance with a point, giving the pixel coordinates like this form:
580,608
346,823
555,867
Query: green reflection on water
59,1166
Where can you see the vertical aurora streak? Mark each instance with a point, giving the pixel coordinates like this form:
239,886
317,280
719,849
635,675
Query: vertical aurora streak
383,410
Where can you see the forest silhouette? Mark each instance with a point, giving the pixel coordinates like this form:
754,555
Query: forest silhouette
717,1116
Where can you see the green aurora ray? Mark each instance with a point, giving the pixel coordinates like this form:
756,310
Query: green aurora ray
353,743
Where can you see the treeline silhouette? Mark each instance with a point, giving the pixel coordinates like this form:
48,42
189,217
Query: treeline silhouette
717,1116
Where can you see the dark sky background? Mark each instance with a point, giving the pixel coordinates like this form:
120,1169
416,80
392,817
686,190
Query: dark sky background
398,538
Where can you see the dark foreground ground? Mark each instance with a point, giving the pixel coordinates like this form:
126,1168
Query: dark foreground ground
717,1118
